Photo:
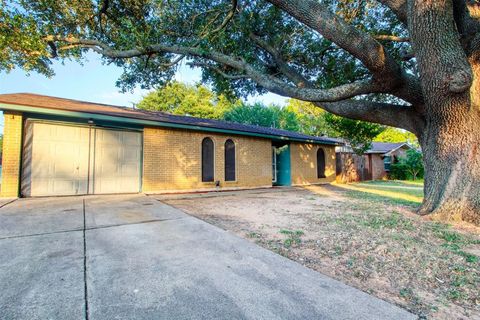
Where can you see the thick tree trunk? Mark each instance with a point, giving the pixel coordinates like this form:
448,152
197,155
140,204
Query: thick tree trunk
451,144
451,136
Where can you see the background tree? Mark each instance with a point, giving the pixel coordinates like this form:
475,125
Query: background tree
397,135
266,116
184,99
311,119
414,163
410,64
408,167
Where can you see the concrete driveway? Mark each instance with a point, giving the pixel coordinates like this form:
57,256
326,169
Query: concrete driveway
133,257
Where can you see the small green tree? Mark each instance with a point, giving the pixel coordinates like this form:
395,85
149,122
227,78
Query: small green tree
410,166
359,134
185,99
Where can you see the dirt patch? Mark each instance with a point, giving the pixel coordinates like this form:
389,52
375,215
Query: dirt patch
376,245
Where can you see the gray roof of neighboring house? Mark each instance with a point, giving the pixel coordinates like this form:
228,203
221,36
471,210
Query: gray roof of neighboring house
47,102
384,147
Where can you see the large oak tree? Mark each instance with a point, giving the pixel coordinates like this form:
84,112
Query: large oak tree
412,64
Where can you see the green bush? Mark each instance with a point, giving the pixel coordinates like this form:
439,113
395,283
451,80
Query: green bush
409,167
398,171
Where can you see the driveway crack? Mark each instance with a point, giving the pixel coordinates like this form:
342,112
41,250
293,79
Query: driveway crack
85,285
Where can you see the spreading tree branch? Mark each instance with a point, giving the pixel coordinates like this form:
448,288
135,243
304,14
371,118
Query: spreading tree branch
386,71
384,37
218,70
393,115
468,26
398,7
291,73
269,82
361,45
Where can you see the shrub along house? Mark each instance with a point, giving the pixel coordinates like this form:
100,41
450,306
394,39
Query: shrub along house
54,146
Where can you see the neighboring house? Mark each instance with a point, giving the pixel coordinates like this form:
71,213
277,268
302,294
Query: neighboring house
377,161
54,146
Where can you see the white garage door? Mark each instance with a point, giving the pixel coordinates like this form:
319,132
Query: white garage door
117,161
59,162
74,160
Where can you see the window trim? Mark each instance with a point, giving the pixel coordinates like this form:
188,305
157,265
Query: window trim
201,160
225,160
321,176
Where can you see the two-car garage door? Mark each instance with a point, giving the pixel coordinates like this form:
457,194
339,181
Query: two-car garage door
73,160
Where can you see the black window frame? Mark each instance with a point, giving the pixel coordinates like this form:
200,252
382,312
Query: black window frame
321,163
230,156
208,160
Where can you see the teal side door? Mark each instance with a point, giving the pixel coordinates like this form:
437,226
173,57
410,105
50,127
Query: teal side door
284,177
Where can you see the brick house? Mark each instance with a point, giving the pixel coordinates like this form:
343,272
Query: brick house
376,160
54,146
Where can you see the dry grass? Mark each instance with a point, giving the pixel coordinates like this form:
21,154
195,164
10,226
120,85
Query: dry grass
365,234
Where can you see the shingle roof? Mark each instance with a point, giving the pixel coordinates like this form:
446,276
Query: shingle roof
48,102
384,147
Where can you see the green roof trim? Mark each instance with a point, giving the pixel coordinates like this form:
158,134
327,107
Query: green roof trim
133,121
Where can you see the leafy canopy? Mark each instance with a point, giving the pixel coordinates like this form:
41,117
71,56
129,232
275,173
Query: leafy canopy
397,135
265,116
311,119
185,99
359,134
35,32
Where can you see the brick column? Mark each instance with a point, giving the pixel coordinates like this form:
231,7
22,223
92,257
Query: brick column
12,148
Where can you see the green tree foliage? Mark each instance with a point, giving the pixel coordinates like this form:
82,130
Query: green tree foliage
35,32
359,134
408,167
184,99
266,116
311,119
391,134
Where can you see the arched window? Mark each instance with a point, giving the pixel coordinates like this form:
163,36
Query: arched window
207,160
320,163
229,160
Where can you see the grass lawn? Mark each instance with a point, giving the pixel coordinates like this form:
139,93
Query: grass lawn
407,193
364,234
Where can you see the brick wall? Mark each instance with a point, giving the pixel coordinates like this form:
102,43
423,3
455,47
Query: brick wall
172,161
304,163
12,146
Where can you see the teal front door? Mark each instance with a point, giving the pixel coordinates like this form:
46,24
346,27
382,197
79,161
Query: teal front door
282,158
